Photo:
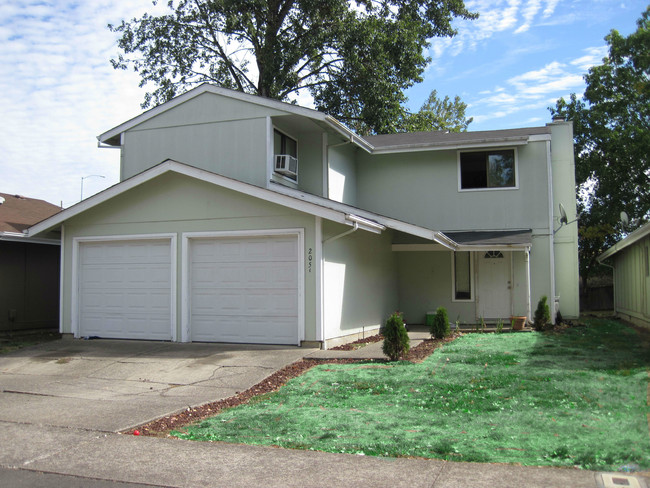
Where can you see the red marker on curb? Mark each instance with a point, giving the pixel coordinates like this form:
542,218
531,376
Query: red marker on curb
136,432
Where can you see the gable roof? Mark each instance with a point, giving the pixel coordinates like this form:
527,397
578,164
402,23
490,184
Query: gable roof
17,213
635,236
377,144
112,136
320,207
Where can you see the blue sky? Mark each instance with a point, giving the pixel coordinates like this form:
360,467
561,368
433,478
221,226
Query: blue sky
58,90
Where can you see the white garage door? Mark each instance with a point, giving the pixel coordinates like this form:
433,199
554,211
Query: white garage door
244,289
125,289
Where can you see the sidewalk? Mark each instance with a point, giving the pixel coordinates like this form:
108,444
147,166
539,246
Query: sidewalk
77,455
372,350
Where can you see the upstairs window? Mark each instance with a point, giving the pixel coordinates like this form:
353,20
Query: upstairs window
285,151
487,169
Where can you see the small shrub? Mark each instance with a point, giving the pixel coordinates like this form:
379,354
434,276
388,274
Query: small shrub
542,317
396,339
440,325
499,326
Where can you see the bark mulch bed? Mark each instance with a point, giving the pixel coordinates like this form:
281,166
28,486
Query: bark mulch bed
162,426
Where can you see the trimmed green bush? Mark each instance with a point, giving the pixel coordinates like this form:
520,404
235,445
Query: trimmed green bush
542,318
440,326
396,339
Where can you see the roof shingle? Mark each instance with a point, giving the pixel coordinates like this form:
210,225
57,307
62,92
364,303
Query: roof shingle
17,213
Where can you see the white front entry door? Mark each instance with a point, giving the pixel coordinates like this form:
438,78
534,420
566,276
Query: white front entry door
244,289
494,285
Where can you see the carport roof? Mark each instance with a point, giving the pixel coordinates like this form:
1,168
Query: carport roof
311,204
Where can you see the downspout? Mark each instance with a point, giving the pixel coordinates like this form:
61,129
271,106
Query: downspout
528,293
551,205
343,234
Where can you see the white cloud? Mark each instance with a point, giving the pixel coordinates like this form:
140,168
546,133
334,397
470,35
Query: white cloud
593,57
495,16
58,91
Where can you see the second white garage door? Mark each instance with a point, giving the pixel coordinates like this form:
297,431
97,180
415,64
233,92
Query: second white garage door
244,289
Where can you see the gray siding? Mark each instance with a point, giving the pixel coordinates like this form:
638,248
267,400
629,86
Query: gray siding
422,188
175,203
360,280
342,174
632,282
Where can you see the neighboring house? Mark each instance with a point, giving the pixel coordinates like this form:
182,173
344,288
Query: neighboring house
29,266
243,219
630,260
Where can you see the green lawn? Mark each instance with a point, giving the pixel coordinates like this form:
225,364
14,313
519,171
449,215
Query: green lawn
573,398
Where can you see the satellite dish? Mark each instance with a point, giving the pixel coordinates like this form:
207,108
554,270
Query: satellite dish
624,218
563,217
2,200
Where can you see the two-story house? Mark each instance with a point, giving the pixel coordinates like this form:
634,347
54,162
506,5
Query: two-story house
243,219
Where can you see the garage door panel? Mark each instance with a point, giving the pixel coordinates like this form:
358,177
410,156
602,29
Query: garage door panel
244,289
125,289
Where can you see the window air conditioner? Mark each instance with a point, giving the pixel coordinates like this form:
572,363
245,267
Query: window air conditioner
286,165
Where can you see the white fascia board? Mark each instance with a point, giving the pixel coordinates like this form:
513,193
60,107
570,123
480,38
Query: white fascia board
301,205
459,247
635,236
98,198
499,247
415,230
349,134
446,146
20,237
208,88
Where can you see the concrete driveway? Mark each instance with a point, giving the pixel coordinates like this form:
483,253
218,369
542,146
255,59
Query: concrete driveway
111,385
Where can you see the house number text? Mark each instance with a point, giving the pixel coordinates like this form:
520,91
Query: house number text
310,258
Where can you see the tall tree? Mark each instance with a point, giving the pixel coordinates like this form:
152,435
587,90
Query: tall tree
355,57
436,114
612,137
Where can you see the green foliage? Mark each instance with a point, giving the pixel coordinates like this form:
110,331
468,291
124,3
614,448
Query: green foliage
542,318
499,328
436,114
355,58
440,325
611,136
396,340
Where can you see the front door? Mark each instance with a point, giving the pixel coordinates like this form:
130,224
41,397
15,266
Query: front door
494,285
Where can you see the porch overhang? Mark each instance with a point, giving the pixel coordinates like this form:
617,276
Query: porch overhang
494,240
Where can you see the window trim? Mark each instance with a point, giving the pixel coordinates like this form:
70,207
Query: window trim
471,278
289,136
492,149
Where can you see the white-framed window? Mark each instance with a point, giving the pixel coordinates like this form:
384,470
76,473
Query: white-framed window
285,155
462,273
494,169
